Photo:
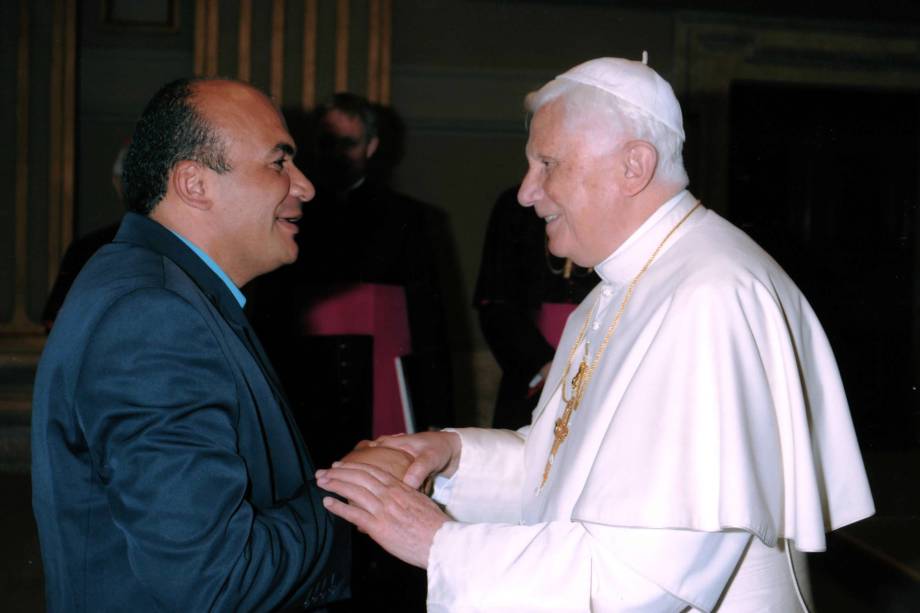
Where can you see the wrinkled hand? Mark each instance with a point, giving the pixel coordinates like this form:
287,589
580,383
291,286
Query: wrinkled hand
400,519
434,452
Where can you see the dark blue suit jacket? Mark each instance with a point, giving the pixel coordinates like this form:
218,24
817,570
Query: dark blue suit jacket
167,471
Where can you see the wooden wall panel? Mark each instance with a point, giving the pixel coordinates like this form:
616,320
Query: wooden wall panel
41,205
244,44
308,61
19,318
9,156
300,51
283,42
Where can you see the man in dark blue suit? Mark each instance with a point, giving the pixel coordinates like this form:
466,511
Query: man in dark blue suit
168,473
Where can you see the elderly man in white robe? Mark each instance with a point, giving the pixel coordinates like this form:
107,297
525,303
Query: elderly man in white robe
693,437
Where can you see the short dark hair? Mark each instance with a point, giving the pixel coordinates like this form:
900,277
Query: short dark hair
352,105
169,131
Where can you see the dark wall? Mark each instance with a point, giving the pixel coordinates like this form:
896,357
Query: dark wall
460,72
9,25
120,66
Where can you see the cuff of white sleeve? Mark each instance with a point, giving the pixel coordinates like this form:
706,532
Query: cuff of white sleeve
443,487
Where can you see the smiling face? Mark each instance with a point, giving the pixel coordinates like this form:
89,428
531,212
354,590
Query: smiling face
256,205
573,183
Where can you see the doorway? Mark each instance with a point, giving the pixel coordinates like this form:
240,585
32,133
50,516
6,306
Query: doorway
826,180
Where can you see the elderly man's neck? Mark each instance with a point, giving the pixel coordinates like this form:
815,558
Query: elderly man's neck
640,208
650,200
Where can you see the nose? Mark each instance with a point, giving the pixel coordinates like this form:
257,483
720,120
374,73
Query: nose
530,190
301,188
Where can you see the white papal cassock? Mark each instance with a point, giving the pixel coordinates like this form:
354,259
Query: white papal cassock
713,437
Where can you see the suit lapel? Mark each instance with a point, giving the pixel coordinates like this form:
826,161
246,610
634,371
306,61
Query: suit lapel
146,232
141,230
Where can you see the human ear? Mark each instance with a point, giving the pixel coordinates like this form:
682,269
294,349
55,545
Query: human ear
639,162
190,183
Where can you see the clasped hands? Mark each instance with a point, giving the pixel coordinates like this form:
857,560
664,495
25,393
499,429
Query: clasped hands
380,481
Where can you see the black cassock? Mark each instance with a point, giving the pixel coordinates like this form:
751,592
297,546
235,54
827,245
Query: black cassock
375,235
518,275
369,235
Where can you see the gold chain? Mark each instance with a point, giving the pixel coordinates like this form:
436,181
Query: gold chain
584,372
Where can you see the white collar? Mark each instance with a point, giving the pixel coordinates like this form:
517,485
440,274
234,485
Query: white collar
622,265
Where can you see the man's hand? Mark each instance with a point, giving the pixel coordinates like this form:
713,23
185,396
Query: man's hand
434,452
401,520
394,461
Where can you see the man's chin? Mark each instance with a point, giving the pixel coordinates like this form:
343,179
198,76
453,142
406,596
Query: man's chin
288,256
560,251
291,256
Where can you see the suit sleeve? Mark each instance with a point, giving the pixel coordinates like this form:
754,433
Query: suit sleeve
158,407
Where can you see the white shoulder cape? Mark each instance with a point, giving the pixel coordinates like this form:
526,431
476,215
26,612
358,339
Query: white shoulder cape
718,406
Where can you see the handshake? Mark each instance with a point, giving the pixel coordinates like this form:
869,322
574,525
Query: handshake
380,482
389,459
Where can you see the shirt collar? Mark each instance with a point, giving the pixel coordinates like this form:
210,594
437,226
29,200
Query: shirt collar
623,264
240,298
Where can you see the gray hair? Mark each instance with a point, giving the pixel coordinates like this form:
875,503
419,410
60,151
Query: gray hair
618,120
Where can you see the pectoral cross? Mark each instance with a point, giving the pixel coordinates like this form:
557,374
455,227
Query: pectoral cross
561,429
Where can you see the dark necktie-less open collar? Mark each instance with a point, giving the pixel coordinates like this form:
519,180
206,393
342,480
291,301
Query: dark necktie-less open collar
145,232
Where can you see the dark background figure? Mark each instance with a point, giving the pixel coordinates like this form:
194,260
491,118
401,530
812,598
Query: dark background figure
517,276
358,231
80,251
77,255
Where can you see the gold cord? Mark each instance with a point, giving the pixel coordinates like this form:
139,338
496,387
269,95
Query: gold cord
584,372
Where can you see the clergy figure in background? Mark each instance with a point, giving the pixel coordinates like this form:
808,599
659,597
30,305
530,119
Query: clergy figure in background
81,250
360,232
523,294
371,233
693,437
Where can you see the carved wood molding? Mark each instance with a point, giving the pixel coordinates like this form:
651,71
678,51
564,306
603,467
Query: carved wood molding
61,79
712,53
346,17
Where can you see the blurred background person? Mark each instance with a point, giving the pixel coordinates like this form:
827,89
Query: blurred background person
358,234
523,296
81,250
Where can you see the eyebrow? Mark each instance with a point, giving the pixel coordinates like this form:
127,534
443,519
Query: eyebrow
285,148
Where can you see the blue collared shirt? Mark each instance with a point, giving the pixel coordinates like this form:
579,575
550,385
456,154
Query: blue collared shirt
240,298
